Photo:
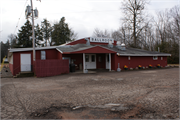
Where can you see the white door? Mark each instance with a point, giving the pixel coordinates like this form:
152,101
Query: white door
25,62
90,61
107,61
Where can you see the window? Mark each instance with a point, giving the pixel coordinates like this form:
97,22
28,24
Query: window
161,58
43,55
129,58
155,57
87,58
92,58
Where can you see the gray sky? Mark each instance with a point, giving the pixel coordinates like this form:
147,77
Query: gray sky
81,15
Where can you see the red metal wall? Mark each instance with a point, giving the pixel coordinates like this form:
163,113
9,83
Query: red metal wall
83,41
50,54
135,61
44,68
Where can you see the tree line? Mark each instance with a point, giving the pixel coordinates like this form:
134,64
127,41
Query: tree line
45,35
138,30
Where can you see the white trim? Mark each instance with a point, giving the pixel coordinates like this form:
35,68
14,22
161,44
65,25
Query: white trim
144,54
59,50
29,49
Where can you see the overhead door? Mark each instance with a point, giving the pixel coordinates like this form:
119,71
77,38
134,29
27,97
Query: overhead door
25,62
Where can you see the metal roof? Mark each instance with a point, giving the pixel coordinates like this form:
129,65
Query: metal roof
137,52
80,47
29,49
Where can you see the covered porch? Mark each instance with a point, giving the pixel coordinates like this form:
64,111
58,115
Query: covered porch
90,58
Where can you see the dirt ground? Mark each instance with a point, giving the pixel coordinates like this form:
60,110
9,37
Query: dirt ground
142,94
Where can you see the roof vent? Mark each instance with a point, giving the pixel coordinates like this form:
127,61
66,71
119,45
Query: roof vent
123,47
87,43
110,44
118,45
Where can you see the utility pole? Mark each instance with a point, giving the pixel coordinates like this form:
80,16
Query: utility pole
33,36
30,12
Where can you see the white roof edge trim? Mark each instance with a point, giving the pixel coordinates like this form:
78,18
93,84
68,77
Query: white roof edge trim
29,49
145,55
59,50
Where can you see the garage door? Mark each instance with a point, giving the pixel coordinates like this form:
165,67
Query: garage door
25,62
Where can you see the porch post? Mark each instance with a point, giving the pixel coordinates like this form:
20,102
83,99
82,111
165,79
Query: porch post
84,67
109,61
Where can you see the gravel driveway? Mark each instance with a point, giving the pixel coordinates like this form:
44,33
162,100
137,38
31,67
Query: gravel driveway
151,93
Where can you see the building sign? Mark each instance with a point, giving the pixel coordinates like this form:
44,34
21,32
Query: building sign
101,40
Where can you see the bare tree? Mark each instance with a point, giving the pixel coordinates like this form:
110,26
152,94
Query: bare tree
100,33
73,35
12,40
134,17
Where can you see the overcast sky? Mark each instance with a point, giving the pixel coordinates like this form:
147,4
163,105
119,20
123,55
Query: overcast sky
83,16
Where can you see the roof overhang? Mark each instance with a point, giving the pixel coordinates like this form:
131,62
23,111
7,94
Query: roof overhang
143,54
30,49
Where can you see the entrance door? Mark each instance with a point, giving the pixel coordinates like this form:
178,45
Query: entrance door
25,62
90,61
101,61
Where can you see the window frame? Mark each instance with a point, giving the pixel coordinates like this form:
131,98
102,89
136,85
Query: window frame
155,57
86,58
43,55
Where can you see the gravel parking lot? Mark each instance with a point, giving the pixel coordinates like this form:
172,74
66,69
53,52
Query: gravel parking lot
141,94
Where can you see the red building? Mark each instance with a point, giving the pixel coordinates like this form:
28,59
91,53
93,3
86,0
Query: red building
86,53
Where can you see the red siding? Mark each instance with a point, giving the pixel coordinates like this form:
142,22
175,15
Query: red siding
46,68
135,61
50,54
83,41
96,49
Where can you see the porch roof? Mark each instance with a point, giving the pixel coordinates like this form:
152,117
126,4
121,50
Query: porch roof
83,48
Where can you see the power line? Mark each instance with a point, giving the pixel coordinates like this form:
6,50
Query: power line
20,16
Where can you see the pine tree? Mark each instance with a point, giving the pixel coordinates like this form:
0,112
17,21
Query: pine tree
38,35
25,35
46,30
61,32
